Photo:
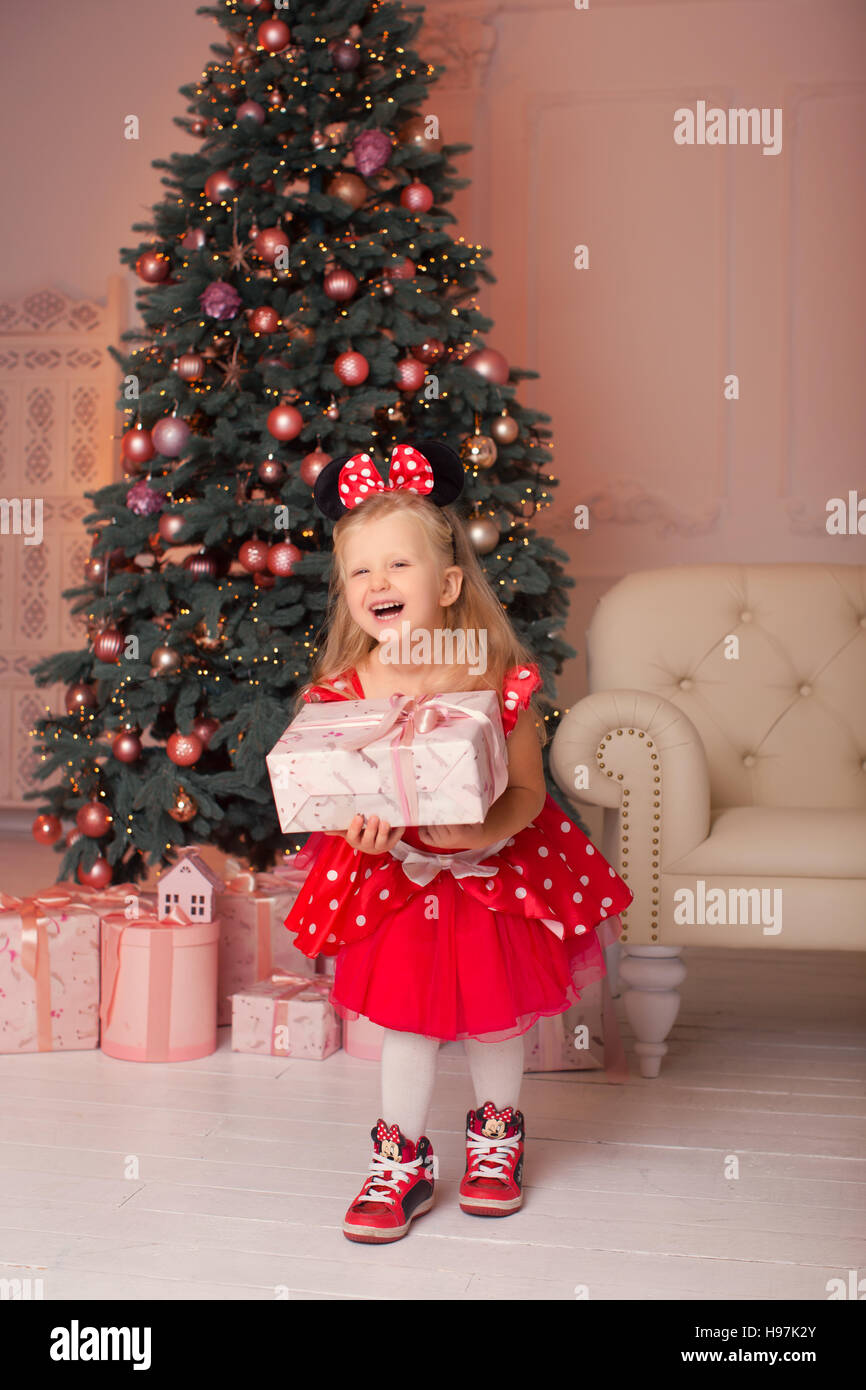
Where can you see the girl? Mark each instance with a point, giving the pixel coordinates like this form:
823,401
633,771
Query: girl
442,932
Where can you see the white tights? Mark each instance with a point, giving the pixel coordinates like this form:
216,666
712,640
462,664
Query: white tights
409,1071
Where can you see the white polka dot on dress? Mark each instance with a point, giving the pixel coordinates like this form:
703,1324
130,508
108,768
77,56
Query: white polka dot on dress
520,892
332,874
603,911
543,851
565,827
607,902
311,928
548,883
334,904
361,920
590,849
577,897
384,893
353,875
332,937
584,879
579,929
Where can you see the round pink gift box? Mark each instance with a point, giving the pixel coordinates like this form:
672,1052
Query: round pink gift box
361,1038
158,992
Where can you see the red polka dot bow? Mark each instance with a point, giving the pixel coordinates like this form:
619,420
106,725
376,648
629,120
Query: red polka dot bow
384,1133
408,469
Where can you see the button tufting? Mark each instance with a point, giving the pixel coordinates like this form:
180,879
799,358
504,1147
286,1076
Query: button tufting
749,760
685,683
805,690
745,617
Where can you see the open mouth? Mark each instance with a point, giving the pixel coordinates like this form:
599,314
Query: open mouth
386,612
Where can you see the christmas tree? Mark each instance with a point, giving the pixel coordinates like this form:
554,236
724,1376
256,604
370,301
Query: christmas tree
302,296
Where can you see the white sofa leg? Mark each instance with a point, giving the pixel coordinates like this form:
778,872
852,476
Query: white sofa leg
652,1001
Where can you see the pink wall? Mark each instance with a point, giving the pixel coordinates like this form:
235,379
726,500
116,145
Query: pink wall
704,260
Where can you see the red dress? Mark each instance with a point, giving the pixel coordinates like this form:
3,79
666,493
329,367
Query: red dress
466,953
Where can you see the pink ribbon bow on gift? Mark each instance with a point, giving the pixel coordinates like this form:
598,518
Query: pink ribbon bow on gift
408,469
408,715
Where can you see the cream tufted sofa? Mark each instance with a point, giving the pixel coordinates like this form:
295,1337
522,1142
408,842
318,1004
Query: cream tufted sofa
725,736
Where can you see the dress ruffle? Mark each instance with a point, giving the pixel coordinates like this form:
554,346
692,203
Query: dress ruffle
462,957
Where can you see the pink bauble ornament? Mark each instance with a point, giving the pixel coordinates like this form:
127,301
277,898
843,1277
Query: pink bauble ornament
153,267
93,819
312,465
340,284
204,727
273,35
184,749
219,187
190,366
193,240
97,876
251,110
285,422
201,566
170,525
417,197
126,747
352,368
170,436
345,55
283,557
489,363
80,697
253,555
46,830
269,242
400,270
410,374
264,319
270,471
108,645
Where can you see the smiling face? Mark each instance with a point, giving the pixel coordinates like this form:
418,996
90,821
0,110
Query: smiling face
389,565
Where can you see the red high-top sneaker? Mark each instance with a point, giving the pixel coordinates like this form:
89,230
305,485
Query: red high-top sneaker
492,1183
399,1187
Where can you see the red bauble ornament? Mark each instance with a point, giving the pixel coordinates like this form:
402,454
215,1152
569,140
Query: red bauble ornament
273,35
253,555
184,749
489,363
136,446
201,566
283,557
400,270
153,266
269,242
204,728
270,471
219,187
194,239
108,645
352,368
430,351
312,465
284,422
170,436
80,697
417,197
344,55
126,747
97,876
46,830
264,319
410,374
250,110
340,284
95,568
93,819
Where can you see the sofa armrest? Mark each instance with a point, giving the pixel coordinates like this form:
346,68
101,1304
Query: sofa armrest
642,758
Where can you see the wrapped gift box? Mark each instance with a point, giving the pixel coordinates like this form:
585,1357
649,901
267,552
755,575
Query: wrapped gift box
159,988
49,972
361,1038
583,1038
286,1016
253,938
413,760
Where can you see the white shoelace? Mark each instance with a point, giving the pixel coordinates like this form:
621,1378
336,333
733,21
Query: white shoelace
490,1156
387,1187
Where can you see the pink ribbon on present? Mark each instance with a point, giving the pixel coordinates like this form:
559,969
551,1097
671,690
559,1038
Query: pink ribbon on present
36,913
406,716
294,985
159,979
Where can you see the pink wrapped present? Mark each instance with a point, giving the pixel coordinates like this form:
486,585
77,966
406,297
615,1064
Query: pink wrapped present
253,938
49,972
413,760
361,1038
117,897
286,1016
583,1038
159,988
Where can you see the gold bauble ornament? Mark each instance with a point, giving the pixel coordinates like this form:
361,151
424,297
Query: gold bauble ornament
185,807
478,451
412,132
504,428
349,189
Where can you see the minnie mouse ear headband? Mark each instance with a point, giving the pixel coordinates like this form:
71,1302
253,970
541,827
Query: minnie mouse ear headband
427,467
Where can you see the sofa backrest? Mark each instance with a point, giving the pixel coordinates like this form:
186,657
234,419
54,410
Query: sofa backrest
768,662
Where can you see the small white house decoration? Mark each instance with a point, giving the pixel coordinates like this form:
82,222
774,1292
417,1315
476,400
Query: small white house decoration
189,884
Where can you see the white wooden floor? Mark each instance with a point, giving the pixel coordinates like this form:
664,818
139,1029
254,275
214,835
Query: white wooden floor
228,1178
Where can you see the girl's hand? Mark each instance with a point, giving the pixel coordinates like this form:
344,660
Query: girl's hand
374,837
448,837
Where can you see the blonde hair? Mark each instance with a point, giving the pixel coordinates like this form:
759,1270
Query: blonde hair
476,606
